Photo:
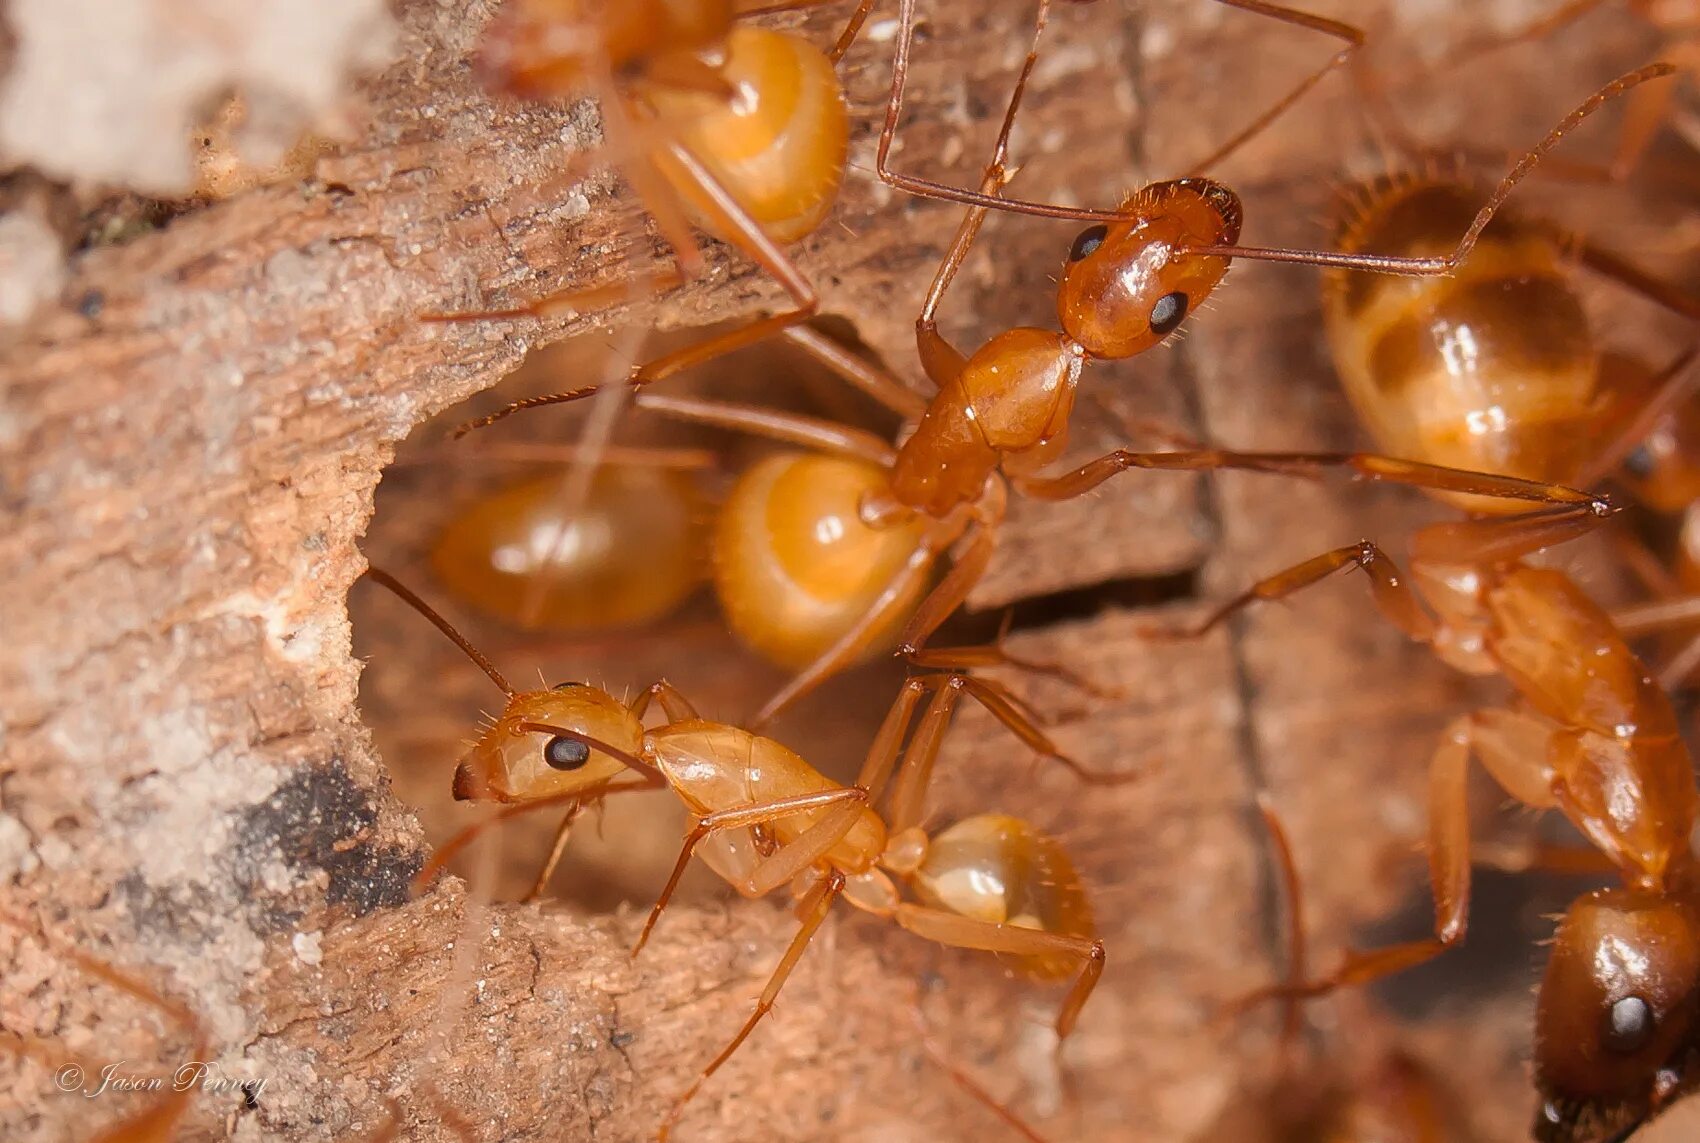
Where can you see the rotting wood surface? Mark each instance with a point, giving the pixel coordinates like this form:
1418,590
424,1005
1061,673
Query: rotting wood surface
192,439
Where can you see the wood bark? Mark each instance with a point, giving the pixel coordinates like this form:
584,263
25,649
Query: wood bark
191,435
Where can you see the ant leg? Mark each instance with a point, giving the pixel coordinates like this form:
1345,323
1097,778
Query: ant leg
861,373
563,832
726,218
942,361
792,428
1021,721
1361,466
447,851
1393,596
961,932
1513,748
964,1081
742,817
813,910
1663,392
1646,618
952,591
996,654
903,587
1351,35
852,29
634,137
1544,857
1498,540
673,704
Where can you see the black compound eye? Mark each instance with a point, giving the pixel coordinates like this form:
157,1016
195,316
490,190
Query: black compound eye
1168,313
567,686
1628,1026
1639,463
565,753
1087,241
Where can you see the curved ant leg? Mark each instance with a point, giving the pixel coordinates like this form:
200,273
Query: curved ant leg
792,428
1471,543
844,803
1393,596
927,188
860,636
861,373
1666,390
1361,466
957,931
997,654
914,774
633,136
963,1080
1350,34
952,591
446,852
813,910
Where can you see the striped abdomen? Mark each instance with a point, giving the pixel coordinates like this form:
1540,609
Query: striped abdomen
1491,368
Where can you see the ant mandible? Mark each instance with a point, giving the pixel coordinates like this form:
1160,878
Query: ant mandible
1591,736
1002,414
765,819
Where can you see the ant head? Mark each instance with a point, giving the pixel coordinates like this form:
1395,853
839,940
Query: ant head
548,49
1128,285
1616,1021
550,743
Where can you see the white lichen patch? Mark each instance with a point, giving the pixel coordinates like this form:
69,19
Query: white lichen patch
112,92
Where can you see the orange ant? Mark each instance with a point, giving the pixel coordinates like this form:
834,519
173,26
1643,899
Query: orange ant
1591,736
742,131
625,553
1002,414
764,819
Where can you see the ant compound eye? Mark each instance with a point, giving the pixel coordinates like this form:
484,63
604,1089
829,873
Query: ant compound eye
567,686
1628,1026
1087,241
1168,313
1639,463
562,753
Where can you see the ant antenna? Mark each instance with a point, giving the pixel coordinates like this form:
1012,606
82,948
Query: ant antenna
386,579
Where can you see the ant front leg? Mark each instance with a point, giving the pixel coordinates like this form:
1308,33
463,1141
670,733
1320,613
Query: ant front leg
844,804
1513,748
1361,466
812,910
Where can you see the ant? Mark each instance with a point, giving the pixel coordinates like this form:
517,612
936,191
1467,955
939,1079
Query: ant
1590,735
624,553
742,131
764,819
1001,415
